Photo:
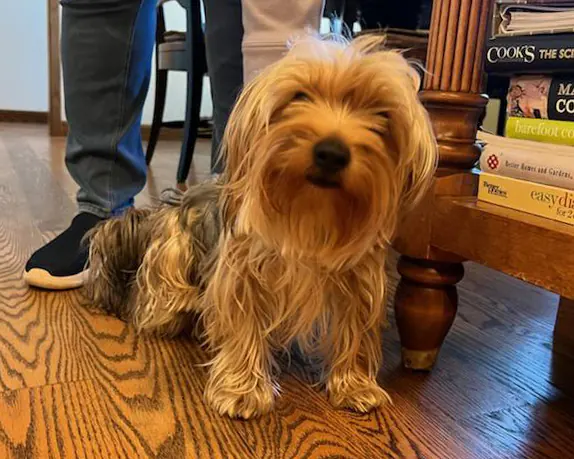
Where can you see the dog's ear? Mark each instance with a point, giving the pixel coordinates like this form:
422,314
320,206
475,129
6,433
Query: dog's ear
418,162
245,126
411,130
409,122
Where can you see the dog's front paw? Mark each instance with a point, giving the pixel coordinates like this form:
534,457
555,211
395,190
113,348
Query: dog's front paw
239,404
356,392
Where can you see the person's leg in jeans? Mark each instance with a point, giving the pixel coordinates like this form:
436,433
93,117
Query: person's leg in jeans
223,35
107,47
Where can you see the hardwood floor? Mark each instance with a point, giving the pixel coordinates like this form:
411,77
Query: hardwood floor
76,383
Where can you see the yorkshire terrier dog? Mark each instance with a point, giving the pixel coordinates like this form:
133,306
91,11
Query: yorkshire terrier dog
323,151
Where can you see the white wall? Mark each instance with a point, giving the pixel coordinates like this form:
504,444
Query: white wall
24,58
175,99
23,55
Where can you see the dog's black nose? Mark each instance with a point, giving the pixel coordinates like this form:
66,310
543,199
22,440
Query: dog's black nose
331,155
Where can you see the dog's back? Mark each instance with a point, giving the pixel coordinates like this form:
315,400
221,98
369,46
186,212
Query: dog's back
167,247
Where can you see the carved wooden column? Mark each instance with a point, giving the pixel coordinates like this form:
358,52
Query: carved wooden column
426,298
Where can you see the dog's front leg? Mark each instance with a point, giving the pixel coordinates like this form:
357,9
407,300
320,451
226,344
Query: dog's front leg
354,352
350,382
240,381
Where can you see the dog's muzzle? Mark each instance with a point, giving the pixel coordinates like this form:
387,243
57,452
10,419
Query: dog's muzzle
330,157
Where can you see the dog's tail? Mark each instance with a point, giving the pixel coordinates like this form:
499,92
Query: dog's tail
117,247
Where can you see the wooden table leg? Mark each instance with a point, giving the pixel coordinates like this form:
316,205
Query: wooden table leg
562,369
425,305
564,328
426,299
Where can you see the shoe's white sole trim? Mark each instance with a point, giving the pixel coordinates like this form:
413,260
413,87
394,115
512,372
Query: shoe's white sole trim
41,278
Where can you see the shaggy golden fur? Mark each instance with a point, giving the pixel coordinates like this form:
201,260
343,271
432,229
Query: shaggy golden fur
283,250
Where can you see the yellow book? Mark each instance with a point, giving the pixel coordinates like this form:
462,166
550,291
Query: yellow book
541,130
533,198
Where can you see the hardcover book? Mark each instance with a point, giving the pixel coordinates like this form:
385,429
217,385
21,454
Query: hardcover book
541,130
533,198
536,2
532,161
530,54
528,19
539,96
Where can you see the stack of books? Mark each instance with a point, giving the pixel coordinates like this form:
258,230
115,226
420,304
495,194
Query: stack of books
531,168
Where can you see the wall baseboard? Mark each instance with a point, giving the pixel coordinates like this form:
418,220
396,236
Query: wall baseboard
20,116
165,133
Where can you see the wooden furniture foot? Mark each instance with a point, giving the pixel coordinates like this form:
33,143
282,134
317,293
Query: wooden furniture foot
562,369
425,307
564,328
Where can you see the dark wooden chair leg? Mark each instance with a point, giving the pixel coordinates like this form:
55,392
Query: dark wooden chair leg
160,89
197,67
158,109
425,307
192,112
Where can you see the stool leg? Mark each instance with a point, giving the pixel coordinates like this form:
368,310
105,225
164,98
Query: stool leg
158,109
192,112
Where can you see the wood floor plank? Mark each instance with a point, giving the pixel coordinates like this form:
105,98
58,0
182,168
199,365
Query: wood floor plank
303,425
49,206
77,383
528,431
496,356
34,348
81,419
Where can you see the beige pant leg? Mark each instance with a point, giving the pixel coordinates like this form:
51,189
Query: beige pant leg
268,25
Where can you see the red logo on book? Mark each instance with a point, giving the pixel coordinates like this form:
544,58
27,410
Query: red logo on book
493,162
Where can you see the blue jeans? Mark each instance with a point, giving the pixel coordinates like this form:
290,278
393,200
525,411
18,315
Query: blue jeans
107,47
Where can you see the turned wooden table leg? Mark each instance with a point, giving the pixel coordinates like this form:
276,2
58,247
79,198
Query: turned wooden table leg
562,370
426,298
425,305
564,328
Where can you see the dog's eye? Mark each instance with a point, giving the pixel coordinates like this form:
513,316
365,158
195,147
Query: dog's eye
380,127
300,96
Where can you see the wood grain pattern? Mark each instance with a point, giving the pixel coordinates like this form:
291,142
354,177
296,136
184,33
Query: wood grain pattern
513,242
77,383
426,300
548,436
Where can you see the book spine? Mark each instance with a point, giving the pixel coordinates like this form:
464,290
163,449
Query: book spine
535,2
545,168
540,130
533,198
530,54
561,98
549,97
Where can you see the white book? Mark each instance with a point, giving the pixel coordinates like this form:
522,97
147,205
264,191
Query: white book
537,162
535,19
